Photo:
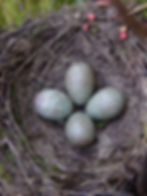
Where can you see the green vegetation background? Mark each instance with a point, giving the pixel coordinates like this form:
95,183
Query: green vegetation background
15,12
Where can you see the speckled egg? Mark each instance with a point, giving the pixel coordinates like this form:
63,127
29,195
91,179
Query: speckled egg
52,104
107,103
79,82
80,129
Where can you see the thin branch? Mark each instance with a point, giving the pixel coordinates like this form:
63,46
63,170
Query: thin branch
138,8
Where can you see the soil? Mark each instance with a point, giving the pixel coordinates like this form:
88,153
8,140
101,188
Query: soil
35,157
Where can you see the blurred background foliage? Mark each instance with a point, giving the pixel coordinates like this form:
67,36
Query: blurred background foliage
15,12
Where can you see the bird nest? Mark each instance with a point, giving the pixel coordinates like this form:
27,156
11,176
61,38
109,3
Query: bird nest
36,156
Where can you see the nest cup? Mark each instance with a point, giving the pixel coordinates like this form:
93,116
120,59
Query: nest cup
35,57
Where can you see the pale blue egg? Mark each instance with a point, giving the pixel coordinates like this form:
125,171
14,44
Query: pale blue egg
79,82
52,104
80,130
106,103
